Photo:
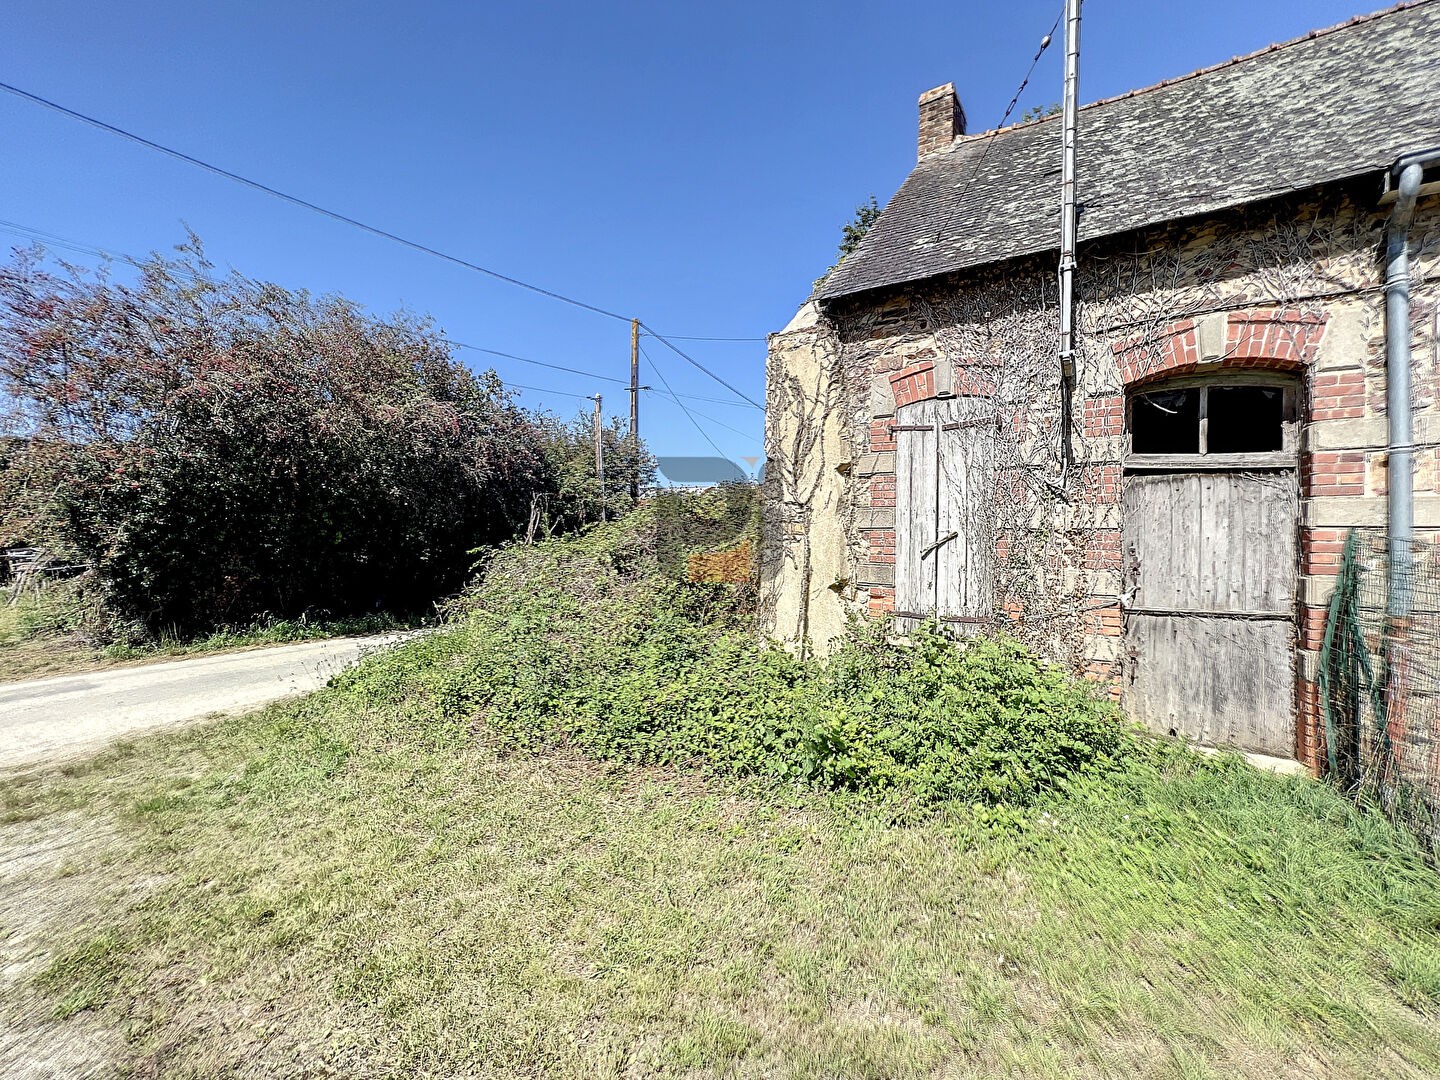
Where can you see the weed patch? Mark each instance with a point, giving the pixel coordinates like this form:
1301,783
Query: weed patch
585,642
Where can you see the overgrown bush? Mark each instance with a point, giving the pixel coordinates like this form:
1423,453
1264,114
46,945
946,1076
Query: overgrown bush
221,448
588,642
725,518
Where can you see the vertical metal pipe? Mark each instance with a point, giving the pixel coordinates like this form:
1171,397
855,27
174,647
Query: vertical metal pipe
1401,486
1068,217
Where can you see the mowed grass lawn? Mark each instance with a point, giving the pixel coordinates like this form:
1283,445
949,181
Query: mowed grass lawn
333,887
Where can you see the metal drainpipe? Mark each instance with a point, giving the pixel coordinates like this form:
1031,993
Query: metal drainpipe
1408,172
1068,232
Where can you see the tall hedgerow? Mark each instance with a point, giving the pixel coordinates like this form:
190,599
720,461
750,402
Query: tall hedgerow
221,448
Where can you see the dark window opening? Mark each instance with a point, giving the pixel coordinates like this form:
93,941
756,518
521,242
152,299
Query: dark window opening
1245,419
1165,422
1240,417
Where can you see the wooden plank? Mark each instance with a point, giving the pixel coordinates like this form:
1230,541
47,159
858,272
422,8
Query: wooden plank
1162,558
1269,459
1214,680
915,512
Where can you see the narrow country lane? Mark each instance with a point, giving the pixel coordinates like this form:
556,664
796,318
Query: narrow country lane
46,720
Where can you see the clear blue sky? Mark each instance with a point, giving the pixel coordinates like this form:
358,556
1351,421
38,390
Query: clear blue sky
687,163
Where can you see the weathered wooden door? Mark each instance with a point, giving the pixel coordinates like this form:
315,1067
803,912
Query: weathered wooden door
944,499
1210,570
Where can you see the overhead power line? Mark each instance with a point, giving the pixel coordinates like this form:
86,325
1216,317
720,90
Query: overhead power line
580,371
543,390
696,363
1030,71
683,407
55,240
683,337
306,204
537,363
346,219
721,423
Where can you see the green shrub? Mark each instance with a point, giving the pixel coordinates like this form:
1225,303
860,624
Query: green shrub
588,642
983,720
55,608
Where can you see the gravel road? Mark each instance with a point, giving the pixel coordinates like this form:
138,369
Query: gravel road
45,720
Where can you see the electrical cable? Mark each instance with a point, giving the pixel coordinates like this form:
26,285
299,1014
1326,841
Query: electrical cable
989,142
750,435
696,363
683,337
306,204
56,240
537,363
335,215
683,407
542,390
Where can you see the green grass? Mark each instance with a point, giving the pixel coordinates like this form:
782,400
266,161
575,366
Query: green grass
35,639
263,632
345,880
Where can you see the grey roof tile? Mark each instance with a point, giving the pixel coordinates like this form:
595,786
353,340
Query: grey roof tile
1334,104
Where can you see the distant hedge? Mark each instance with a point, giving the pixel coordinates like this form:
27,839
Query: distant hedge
221,448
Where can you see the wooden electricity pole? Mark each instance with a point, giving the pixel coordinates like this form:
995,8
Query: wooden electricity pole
600,455
635,409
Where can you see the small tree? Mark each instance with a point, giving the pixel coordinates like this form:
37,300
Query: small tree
852,232
576,498
1040,112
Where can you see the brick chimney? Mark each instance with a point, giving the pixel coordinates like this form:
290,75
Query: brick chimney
942,119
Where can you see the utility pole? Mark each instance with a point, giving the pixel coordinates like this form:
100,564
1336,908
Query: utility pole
1068,220
600,454
635,408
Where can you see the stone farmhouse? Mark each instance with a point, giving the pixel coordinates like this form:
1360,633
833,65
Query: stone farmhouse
1166,515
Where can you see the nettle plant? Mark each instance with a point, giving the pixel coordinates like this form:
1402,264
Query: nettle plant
589,642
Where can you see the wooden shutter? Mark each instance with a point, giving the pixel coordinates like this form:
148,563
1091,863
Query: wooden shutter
917,441
965,569
944,499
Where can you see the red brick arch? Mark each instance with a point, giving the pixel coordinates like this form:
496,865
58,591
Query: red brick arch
1273,339
914,383
918,382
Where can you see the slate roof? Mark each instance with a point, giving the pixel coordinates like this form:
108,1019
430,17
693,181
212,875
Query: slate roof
1334,104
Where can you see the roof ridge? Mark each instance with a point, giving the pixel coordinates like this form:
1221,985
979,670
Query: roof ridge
1326,31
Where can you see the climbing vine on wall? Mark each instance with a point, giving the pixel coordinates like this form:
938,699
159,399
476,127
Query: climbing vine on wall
994,331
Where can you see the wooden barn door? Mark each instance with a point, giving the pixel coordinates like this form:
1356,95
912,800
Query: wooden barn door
944,501
1210,571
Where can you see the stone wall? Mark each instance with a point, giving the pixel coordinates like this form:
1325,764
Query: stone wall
1292,285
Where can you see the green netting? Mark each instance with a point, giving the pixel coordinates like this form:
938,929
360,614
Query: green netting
1379,684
